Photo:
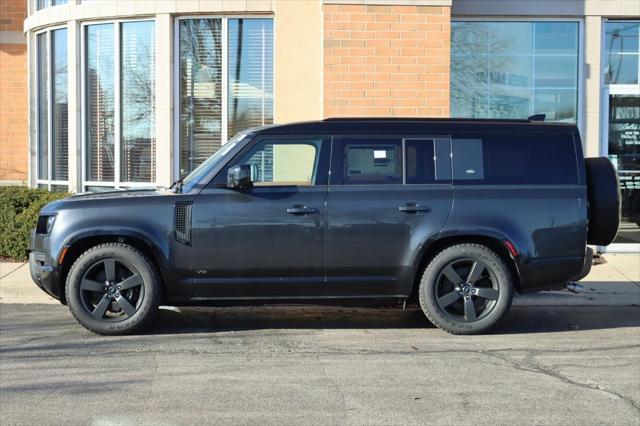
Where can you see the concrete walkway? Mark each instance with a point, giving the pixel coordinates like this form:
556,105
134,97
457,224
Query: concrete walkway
615,283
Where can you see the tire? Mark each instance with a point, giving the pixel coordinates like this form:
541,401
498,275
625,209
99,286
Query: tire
459,308
113,289
603,192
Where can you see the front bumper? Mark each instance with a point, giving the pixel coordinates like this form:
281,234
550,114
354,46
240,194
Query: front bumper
43,273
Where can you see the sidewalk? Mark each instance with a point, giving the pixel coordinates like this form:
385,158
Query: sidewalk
615,283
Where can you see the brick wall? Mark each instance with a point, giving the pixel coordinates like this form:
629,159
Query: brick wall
386,60
14,146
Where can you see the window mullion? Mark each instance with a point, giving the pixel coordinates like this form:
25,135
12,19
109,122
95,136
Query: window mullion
224,134
49,110
117,104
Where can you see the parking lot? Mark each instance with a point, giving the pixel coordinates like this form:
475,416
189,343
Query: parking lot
557,358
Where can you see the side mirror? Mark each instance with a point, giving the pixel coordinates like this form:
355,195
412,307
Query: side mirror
239,177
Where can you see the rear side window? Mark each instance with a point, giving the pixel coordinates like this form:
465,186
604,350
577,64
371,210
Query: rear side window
379,160
514,159
420,161
369,161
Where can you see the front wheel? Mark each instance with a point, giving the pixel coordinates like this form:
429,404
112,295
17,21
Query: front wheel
112,289
466,289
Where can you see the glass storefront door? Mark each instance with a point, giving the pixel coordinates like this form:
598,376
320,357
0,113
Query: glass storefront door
624,151
621,123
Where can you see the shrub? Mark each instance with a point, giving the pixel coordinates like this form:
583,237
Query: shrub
19,208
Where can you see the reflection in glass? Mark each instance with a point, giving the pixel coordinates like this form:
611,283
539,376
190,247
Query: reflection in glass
100,161
137,104
507,69
60,113
250,74
622,69
624,152
557,104
200,91
622,52
42,81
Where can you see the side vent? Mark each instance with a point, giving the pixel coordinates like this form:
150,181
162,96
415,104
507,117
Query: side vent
183,222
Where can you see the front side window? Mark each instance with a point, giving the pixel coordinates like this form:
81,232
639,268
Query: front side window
290,162
514,69
52,109
216,101
120,130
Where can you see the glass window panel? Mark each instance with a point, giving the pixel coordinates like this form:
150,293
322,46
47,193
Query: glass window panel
137,104
99,188
511,37
59,188
41,4
42,80
624,152
507,71
250,74
100,84
556,104
469,86
509,102
60,113
621,69
622,37
200,91
469,38
290,162
556,71
466,157
369,161
521,55
420,161
556,37
57,2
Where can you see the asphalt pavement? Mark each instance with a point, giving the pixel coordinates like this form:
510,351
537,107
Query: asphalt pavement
292,365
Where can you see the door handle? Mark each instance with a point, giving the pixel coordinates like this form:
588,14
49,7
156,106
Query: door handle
413,208
301,209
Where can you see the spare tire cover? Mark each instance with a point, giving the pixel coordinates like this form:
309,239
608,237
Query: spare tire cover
603,193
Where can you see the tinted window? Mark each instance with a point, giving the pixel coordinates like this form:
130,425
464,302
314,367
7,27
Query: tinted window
467,157
369,161
515,159
420,162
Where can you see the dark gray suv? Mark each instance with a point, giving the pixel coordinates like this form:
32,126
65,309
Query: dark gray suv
455,215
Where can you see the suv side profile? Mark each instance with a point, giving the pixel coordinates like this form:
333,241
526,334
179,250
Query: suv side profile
455,215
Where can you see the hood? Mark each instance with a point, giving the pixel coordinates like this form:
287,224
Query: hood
109,195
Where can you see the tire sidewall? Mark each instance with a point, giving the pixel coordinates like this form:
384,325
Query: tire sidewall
428,286
128,256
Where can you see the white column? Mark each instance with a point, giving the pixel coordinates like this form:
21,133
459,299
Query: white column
164,101
593,86
73,98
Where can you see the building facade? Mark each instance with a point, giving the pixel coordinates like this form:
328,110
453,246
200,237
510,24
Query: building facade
137,93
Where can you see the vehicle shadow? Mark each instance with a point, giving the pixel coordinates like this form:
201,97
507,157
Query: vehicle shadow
518,320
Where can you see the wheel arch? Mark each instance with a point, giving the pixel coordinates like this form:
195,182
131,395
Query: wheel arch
494,242
81,242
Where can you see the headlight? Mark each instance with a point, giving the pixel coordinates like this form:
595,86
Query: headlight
45,224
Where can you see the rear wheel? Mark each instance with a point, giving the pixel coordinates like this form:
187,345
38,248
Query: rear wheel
112,289
466,289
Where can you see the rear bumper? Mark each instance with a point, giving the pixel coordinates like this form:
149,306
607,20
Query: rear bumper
554,273
586,266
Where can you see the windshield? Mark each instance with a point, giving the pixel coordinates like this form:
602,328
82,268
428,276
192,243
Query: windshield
204,168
